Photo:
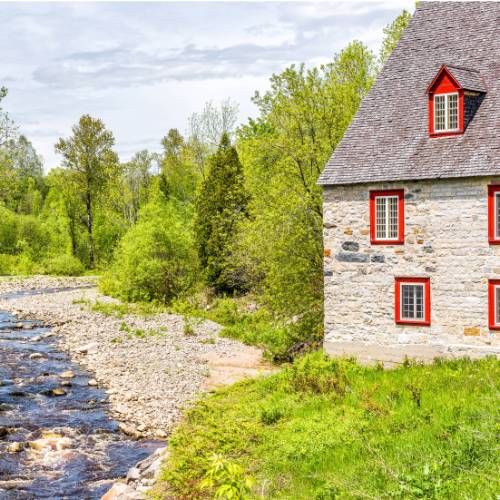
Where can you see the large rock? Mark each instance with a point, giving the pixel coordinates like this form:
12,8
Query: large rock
91,348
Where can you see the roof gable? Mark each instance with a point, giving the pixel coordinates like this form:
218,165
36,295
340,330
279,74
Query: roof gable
444,80
388,138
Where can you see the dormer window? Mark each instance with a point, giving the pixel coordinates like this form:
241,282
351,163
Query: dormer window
446,112
454,97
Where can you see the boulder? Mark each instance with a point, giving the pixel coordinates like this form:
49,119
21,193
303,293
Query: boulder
88,348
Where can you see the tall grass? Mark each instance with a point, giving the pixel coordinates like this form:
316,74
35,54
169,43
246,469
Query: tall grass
324,429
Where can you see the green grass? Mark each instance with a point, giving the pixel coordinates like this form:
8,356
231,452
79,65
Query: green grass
119,310
324,429
257,327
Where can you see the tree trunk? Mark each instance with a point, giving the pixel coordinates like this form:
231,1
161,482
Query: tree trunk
88,203
72,234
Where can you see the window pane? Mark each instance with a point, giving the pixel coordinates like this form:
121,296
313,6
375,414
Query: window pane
497,214
393,217
412,305
408,301
497,305
439,112
380,216
452,111
419,301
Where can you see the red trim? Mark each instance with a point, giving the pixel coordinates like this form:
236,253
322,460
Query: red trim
460,130
493,240
492,284
445,83
427,301
400,193
443,70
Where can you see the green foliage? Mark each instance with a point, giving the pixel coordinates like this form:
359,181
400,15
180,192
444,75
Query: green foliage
319,374
373,439
392,33
227,479
221,203
302,118
155,260
63,265
88,154
281,340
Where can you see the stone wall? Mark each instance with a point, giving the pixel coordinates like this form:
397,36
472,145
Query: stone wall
446,239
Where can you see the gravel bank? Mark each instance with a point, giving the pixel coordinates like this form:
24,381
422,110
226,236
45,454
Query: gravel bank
150,375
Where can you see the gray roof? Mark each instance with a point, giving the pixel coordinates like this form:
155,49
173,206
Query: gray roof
388,139
469,79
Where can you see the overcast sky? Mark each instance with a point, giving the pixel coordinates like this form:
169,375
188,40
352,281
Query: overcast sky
146,67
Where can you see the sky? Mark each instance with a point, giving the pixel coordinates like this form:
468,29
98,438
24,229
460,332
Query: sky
144,68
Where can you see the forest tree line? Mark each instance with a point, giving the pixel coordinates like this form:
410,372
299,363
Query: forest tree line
232,209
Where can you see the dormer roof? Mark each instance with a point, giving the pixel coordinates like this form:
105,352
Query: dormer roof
468,79
463,78
388,139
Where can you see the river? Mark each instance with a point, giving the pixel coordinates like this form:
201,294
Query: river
68,447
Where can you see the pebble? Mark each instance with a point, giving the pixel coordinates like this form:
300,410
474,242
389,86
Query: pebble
92,382
67,374
16,447
149,380
58,392
36,355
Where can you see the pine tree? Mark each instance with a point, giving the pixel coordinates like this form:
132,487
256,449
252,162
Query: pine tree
221,203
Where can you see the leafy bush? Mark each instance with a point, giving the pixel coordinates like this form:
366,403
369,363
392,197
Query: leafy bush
8,231
319,374
63,265
227,479
155,260
7,264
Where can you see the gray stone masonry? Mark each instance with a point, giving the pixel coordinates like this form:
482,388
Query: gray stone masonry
446,239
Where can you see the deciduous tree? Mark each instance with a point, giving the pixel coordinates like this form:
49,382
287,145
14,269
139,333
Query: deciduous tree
89,154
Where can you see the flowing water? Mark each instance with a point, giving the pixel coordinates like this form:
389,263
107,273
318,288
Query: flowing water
68,445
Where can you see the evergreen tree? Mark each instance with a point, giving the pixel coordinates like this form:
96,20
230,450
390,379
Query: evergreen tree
221,203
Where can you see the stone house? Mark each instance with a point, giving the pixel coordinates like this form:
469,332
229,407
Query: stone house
412,197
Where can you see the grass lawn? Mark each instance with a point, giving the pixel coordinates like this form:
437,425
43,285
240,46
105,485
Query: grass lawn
324,429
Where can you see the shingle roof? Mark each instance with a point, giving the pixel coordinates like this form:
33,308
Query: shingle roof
468,78
388,138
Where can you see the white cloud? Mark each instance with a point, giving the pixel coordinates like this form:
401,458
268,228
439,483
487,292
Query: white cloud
145,67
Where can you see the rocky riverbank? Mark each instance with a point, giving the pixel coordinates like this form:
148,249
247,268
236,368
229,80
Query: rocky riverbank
151,366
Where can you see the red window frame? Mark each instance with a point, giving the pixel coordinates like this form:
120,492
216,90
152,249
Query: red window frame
427,301
400,193
438,133
492,285
492,237
445,83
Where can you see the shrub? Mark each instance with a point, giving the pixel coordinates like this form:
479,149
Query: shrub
63,265
155,260
317,373
7,264
227,479
8,231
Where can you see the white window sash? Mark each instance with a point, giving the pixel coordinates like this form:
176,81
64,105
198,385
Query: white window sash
446,113
496,312
401,302
387,221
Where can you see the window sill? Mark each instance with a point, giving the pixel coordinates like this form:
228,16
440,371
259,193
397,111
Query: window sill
412,323
388,242
446,134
